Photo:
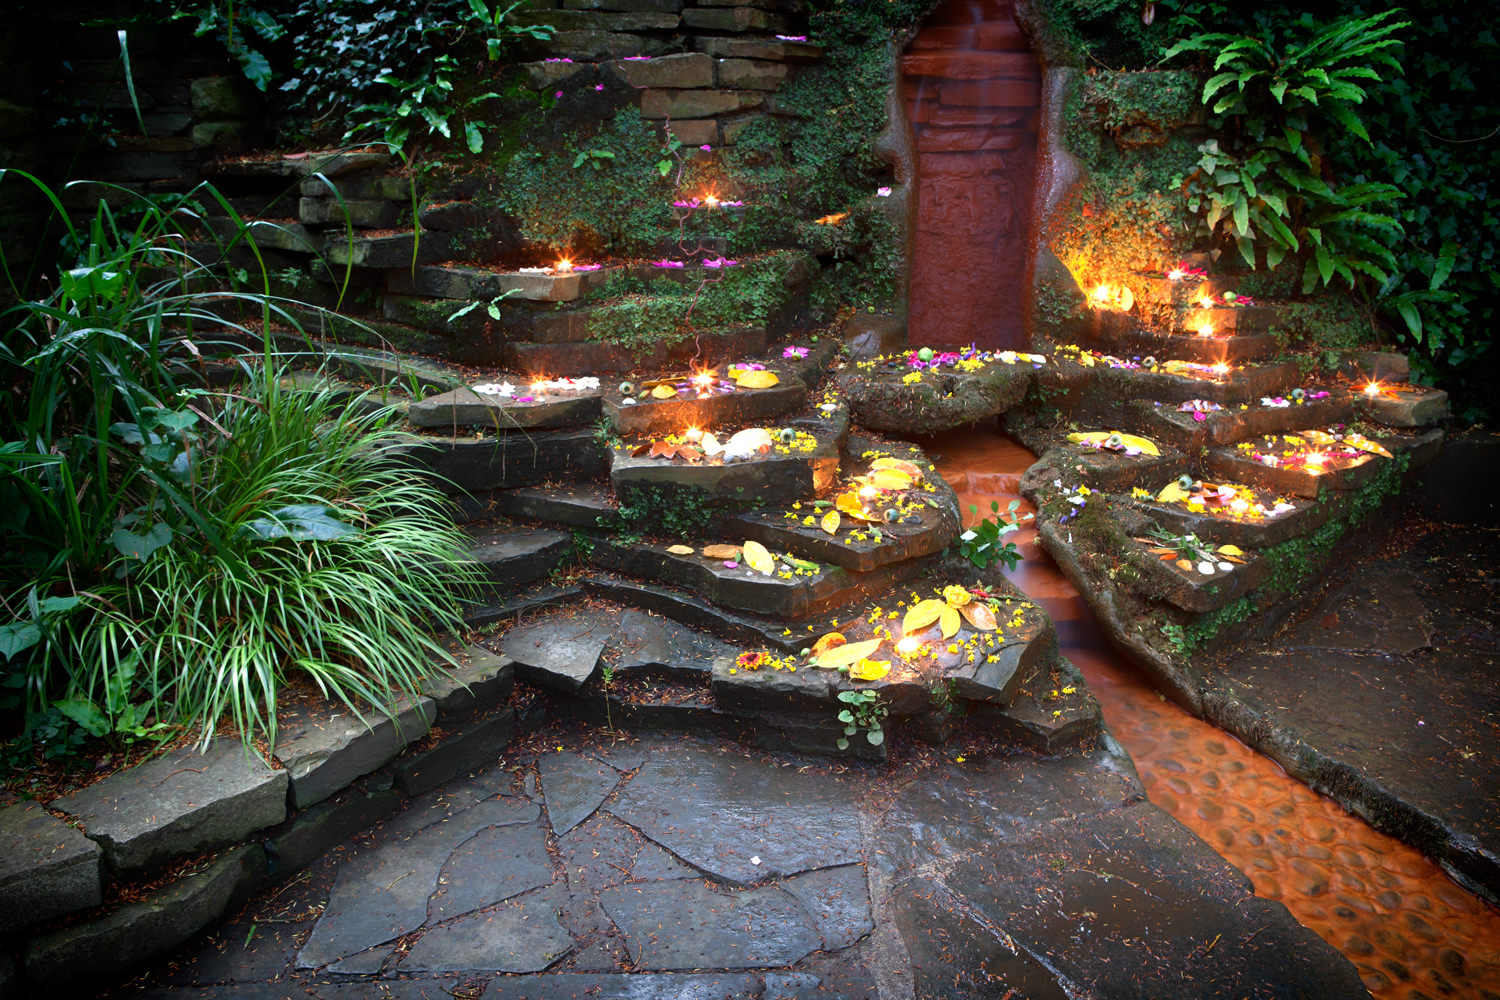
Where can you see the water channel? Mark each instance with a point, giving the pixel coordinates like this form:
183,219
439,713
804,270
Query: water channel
1411,932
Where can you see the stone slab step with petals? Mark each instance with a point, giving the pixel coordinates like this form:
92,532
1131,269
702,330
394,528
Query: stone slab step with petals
703,401
1223,344
534,405
1300,470
576,505
926,518
1183,429
1401,405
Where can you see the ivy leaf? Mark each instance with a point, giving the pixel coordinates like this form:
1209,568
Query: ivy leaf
664,167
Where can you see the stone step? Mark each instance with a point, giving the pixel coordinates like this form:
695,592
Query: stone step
296,166
703,400
478,463
1187,587
1170,381
972,65
512,557
791,591
712,348
926,519
1286,464
548,283
503,406
1396,404
1222,345
802,461
1102,468
575,505
1317,407
885,396
1159,289
1248,519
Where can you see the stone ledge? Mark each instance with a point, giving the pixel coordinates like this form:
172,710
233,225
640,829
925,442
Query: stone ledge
46,867
324,750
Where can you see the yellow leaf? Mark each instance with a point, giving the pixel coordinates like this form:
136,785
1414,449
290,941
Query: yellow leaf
759,559
890,479
869,670
831,522
981,616
850,504
950,620
751,379
1230,550
850,652
1171,493
1322,439
681,550
922,614
663,392
1365,444
1185,564
1145,445
828,642
899,464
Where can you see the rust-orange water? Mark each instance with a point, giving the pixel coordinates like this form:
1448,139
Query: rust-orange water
1410,931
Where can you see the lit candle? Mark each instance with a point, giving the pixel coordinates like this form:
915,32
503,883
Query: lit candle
1220,369
538,387
1205,328
712,201
1373,389
1176,274
564,266
907,646
693,435
1100,294
1204,302
868,493
1239,505
1315,462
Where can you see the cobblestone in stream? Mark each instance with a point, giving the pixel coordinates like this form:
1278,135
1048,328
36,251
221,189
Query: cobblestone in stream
1409,930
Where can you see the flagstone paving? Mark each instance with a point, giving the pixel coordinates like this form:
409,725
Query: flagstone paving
655,867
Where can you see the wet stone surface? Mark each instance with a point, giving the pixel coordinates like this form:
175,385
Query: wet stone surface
696,870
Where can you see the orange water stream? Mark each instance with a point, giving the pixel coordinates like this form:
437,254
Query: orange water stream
1410,931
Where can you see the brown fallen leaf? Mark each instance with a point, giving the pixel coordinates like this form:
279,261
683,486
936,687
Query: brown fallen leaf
681,550
981,616
721,551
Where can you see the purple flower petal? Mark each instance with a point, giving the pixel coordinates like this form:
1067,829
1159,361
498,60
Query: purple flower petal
792,38
667,263
731,564
706,148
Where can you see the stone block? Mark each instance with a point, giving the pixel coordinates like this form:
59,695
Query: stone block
368,187
360,213
596,46
178,804
519,458
46,867
328,824
696,103
870,335
733,129
135,933
481,680
660,6
467,283
736,19
641,21
395,251
750,74
226,138
1405,406
546,74
696,131
218,98
759,48
473,746
324,750
682,71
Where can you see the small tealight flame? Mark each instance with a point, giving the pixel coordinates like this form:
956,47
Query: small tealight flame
1204,301
711,200
1101,293
1315,462
1373,389
1220,369
908,646
1239,505
692,435
563,266
538,387
704,378
1204,328
868,493
1176,274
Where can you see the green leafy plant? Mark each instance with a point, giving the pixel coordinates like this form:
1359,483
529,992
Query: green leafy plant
981,544
1272,191
864,712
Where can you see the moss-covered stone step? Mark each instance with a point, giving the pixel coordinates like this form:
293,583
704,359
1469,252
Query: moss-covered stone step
1290,465
479,462
705,400
593,357
1402,405
414,373
1199,427
513,556
575,505
801,462
534,405
925,520
296,165
892,396
1160,289
790,591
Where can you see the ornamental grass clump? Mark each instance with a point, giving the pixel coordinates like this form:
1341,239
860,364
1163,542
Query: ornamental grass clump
180,538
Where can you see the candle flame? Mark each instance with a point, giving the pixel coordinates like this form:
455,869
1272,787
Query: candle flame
1373,389
1101,293
711,200
1205,301
868,493
1176,274
1239,506
1315,461
1204,328
1220,369
908,646
831,220
563,266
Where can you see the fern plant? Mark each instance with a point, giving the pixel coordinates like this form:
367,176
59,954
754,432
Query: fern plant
1275,194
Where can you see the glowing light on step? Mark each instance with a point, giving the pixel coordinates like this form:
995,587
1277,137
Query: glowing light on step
1314,461
1205,328
692,435
1373,389
1205,301
563,266
711,200
1221,369
1117,297
1176,274
538,387
908,646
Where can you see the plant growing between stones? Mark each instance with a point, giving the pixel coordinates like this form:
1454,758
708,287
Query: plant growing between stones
981,543
863,713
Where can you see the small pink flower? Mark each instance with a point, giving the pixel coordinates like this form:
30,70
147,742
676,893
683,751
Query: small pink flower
598,86
792,38
667,263
794,352
636,58
706,148
558,95
731,564
884,192
720,262
557,60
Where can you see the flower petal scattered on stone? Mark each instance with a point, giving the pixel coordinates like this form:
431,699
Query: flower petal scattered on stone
794,352
667,263
792,38
883,192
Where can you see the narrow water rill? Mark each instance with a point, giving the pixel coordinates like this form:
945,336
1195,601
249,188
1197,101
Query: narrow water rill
1409,930
972,90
